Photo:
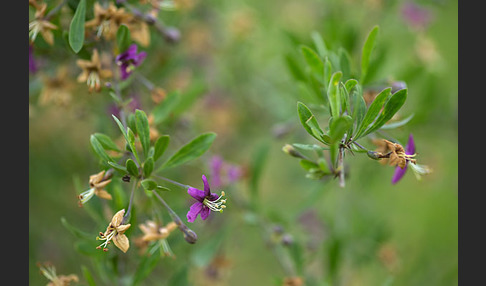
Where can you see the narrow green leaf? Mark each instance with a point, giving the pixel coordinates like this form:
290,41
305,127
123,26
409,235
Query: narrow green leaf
327,72
338,128
123,38
148,167
192,150
344,62
294,68
373,111
120,125
398,123
118,167
366,52
164,109
143,130
308,165
132,168
88,276
76,28
350,84
106,142
391,107
146,265
319,43
309,147
313,60
149,184
74,230
309,122
160,146
98,148
333,94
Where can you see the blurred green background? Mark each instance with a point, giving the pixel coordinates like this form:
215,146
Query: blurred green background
383,234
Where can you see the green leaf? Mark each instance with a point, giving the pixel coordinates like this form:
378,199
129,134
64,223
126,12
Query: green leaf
192,150
319,43
143,130
164,109
132,168
106,142
345,62
148,167
309,122
294,68
146,264
123,38
99,150
74,230
309,147
308,165
350,84
366,52
149,184
333,94
118,167
359,106
373,111
88,276
397,123
160,146
391,107
313,60
76,28
338,128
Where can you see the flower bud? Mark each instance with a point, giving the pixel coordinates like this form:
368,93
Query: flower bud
290,150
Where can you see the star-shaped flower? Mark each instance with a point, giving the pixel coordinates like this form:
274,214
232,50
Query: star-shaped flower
92,73
116,232
128,60
205,202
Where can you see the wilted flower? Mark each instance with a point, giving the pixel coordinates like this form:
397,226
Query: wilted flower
115,231
206,202
92,72
417,169
41,25
49,271
56,89
128,60
97,182
106,21
392,153
152,231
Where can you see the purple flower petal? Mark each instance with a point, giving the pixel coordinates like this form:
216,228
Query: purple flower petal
205,212
197,194
213,197
195,209
207,190
399,172
124,71
410,148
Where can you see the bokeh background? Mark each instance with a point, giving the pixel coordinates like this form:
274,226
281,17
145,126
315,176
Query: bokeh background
231,65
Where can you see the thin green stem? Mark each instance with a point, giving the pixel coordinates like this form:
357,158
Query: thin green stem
130,203
171,181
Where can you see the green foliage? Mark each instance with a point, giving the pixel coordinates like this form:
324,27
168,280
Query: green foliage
76,28
190,151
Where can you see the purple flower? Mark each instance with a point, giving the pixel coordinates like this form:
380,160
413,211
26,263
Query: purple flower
128,60
409,150
416,16
223,173
205,202
32,63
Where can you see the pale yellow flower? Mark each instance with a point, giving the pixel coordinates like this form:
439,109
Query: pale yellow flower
49,271
92,72
115,232
97,183
40,25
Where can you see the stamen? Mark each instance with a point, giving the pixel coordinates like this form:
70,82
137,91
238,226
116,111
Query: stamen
216,205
